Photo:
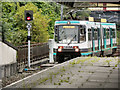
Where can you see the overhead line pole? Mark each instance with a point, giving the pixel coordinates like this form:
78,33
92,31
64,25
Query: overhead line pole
61,12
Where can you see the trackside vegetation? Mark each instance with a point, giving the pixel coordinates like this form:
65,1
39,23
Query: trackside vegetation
14,25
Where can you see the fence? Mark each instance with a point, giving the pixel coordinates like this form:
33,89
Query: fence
38,51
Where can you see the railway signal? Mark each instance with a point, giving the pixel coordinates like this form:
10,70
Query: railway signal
28,15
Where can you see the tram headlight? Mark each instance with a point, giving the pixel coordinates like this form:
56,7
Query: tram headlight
76,50
60,48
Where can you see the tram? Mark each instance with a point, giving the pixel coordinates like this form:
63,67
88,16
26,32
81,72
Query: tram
75,38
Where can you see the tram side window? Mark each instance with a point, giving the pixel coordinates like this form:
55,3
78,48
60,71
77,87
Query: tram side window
107,33
96,34
113,32
89,35
82,34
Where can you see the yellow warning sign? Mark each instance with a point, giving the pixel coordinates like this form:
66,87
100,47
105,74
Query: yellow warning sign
103,20
91,19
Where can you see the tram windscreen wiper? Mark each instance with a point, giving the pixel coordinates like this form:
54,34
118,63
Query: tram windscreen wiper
72,40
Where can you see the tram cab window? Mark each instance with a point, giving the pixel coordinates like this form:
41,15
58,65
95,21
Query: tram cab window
89,35
113,32
68,34
82,34
107,33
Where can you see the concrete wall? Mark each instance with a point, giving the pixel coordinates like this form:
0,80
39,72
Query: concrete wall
7,54
8,59
8,64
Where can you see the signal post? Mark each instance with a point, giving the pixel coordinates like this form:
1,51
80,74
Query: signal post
28,18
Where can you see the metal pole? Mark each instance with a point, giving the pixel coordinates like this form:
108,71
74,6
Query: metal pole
101,31
28,26
61,12
28,48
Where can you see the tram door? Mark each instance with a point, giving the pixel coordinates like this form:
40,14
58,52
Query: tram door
104,37
98,29
111,36
93,38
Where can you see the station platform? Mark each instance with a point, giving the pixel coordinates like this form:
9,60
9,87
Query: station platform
81,72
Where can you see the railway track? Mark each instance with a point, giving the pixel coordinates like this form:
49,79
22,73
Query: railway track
117,53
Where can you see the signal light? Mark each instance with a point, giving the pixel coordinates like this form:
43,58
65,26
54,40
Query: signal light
28,18
28,15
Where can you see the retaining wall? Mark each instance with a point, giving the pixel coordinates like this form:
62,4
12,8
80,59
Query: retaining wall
8,63
8,70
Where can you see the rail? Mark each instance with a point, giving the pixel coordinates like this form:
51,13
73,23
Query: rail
117,53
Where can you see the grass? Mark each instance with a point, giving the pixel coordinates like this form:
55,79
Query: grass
57,83
61,75
82,84
113,67
81,76
108,62
28,86
61,81
62,69
64,80
43,80
23,86
116,65
87,79
81,61
68,78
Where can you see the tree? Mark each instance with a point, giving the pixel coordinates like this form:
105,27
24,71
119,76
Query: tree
17,31
52,11
8,11
45,15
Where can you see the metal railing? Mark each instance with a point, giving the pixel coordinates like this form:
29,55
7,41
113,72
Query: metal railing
38,51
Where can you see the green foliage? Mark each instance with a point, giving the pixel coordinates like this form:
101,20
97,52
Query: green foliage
39,24
52,11
82,14
14,25
8,11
